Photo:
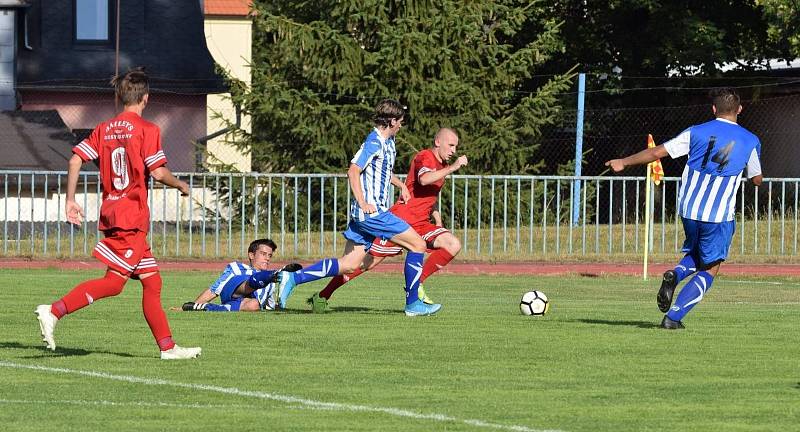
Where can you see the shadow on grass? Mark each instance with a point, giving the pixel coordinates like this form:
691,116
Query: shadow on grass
59,352
639,324
366,310
346,309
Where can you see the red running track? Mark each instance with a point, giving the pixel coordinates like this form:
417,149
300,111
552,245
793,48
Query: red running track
515,268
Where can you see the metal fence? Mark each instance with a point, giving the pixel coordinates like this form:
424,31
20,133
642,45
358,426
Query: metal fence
615,124
499,217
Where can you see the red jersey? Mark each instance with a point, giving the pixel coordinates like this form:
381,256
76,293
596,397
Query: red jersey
419,206
128,149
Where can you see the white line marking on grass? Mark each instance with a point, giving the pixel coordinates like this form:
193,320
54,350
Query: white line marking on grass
108,403
754,282
310,403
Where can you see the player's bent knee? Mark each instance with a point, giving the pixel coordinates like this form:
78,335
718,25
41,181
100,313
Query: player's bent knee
348,266
454,246
249,305
418,245
448,242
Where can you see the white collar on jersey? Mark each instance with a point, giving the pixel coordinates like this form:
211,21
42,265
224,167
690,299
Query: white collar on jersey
726,120
380,137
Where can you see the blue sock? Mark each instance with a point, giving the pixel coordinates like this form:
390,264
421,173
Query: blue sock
686,267
231,306
260,279
412,272
691,294
328,267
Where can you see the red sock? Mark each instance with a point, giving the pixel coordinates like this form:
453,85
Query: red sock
87,292
338,281
438,259
154,313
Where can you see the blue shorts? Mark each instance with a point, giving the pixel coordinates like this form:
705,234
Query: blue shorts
234,304
707,242
226,295
383,225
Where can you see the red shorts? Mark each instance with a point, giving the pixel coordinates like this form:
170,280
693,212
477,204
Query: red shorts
427,230
126,252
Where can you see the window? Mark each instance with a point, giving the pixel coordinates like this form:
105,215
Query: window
93,21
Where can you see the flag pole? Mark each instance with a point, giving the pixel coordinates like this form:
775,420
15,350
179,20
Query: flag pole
646,221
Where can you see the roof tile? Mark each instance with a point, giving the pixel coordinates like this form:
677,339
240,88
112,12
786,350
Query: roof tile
227,7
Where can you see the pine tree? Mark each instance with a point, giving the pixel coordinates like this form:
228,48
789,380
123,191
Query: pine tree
319,67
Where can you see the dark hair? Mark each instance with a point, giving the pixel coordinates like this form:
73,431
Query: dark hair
131,87
388,109
255,244
726,100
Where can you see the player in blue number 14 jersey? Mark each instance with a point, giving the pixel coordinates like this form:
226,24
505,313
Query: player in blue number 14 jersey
719,151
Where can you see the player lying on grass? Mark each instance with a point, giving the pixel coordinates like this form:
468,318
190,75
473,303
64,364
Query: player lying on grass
719,151
425,179
243,287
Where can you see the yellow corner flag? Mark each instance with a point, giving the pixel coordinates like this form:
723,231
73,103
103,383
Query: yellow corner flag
656,171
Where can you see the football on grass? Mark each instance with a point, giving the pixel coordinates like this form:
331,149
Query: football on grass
534,303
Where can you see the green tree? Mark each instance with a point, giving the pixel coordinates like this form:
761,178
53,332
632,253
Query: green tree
783,18
657,38
320,66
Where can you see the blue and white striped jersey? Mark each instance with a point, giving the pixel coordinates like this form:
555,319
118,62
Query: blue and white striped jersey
265,297
718,151
234,274
376,159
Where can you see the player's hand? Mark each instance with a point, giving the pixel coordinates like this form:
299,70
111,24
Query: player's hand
461,161
616,165
74,213
405,195
437,218
183,187
368,208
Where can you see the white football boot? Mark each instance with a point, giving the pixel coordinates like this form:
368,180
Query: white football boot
47,324
180,353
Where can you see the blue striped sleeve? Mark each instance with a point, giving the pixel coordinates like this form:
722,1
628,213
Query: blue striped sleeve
366,153
219,284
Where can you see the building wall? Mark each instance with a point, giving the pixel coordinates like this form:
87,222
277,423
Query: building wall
229,41
182,118
8,48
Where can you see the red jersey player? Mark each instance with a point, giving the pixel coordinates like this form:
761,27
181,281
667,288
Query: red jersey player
425,179
128,149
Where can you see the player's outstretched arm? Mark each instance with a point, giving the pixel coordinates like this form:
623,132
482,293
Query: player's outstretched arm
643,157
164,176
205,296
434,176
73,210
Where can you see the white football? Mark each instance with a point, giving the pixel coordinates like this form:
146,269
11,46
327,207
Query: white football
534,303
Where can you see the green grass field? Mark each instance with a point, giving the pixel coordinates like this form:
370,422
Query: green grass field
596,362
